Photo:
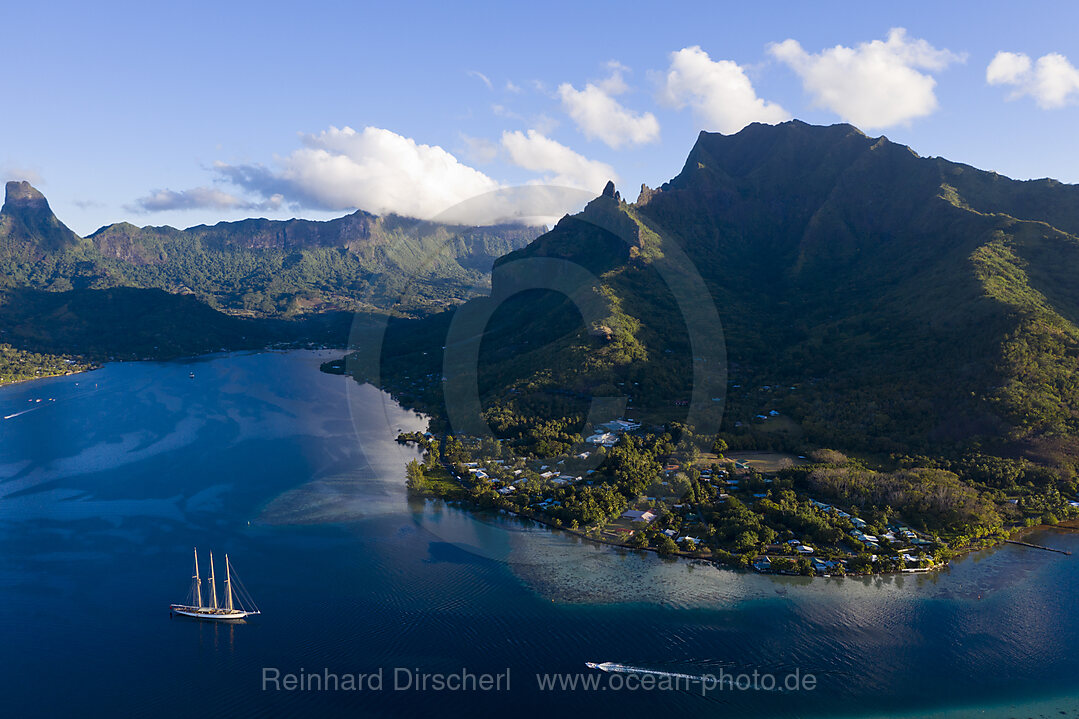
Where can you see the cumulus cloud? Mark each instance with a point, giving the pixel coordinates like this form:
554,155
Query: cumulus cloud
719,92
382,172
876,84
1008,68
560,165
198,198
599,115
373,169
1052,81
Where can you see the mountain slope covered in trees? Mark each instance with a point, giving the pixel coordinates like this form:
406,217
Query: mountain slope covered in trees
877,301
157,291
258,267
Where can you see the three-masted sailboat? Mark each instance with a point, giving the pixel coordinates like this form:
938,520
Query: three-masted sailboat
237,599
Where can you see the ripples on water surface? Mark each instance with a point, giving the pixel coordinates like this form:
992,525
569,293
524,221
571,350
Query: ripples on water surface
295,474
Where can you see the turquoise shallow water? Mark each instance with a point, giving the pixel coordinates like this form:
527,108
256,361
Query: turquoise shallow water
105,489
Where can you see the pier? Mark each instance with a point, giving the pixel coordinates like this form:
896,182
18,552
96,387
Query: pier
1037,546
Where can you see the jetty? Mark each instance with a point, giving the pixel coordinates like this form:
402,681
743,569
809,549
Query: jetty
1037,546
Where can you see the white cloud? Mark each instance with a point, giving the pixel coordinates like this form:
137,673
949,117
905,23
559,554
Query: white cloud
382,172
198,198
599,115
876,84
373,169
483,78
510,87
560,165
720,93
1007,68
1052,81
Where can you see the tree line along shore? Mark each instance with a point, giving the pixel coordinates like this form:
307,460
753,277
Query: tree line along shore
666,490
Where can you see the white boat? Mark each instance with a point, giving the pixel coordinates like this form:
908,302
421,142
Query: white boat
236,598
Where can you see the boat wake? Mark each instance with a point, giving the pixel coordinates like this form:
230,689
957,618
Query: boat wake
614,667
17,414
38,405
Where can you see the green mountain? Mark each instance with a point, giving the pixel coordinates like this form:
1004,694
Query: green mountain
877,301
130,291
259,267
29,230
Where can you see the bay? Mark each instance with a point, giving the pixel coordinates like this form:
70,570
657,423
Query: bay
110,480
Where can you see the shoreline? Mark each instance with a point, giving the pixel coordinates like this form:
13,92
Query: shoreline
178,358
4,385
1067,525
722,557
1070,525
465,506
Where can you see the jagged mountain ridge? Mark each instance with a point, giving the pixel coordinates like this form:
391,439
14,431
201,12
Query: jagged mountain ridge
918,305
258,266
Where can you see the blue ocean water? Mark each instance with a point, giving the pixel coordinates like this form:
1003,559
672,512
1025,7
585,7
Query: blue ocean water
108,482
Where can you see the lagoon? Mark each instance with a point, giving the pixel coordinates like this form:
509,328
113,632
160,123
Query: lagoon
105,490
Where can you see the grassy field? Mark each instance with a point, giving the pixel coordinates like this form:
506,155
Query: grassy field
441,483
761,461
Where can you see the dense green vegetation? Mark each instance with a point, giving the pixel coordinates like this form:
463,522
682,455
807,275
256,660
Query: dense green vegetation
707,508
17,365
146,292
259,267
918,314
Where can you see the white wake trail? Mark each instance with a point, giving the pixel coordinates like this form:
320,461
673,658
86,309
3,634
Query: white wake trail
627,669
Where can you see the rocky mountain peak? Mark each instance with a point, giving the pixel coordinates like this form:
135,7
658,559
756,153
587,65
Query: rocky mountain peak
22,193
27,223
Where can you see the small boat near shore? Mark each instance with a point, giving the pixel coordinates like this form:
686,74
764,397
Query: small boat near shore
237,602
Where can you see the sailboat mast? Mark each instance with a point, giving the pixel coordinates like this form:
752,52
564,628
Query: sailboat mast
213,586
198,580
228,585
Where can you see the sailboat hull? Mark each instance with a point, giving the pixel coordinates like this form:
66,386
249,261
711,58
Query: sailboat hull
208,614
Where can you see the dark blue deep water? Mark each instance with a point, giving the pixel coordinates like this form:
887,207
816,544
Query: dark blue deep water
105,489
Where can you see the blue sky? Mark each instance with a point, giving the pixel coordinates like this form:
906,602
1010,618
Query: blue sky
194,113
